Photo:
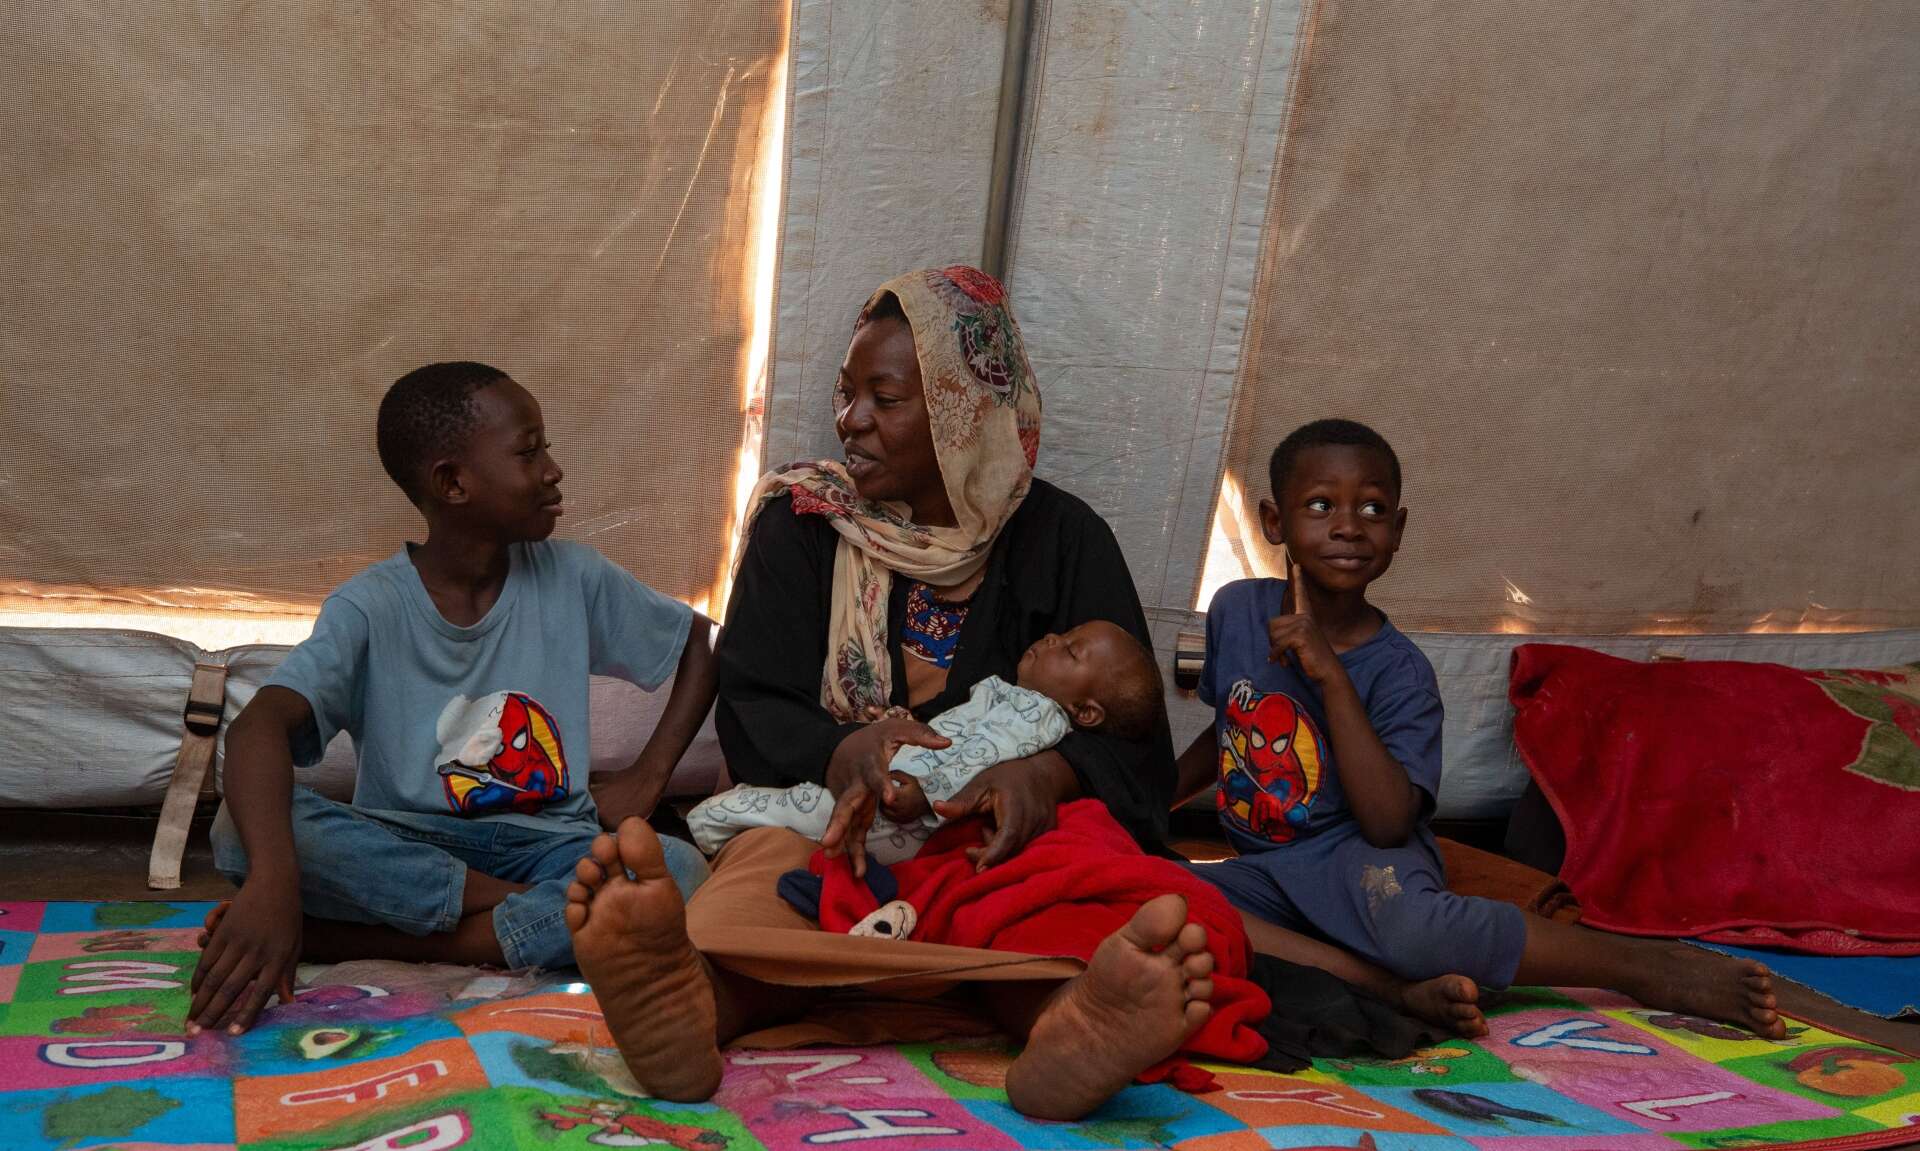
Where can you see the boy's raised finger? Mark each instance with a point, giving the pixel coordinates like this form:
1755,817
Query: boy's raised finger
1282,637
1296,586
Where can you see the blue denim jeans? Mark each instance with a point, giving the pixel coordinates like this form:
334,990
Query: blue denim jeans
408,869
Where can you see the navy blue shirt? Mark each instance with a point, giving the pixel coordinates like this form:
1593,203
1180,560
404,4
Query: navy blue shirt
1278,784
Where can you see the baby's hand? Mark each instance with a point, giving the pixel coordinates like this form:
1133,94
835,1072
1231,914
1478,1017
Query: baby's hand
909,799
873,713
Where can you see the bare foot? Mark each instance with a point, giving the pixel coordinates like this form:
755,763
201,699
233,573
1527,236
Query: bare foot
1691,981
630,939
1449,1001
1145,991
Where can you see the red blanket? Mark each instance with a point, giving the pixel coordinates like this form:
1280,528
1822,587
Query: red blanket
1068,890
1747,803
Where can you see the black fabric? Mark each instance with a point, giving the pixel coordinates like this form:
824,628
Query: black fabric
1534,834
801,888
1054,566
1315,1014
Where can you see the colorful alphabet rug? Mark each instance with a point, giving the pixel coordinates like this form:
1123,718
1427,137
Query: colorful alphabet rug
92,1055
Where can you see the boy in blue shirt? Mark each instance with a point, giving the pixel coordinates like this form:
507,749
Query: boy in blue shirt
1326,747
460,668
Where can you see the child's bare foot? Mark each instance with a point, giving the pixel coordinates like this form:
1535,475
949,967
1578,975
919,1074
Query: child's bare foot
1688,980
1145,991
630,939
1449,1001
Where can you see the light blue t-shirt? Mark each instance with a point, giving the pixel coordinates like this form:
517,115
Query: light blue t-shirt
487,721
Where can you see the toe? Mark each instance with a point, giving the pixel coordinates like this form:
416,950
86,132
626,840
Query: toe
1199,965
589,874
575,913
1157,924
640,849
1460,989
605,852
1200,990
1191,940
1196,1013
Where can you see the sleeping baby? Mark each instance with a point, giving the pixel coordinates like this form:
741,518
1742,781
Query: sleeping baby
1095,677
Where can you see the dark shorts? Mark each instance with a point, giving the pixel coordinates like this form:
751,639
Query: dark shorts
1390,906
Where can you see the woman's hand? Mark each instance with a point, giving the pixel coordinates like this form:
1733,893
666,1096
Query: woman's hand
857,777
1020,796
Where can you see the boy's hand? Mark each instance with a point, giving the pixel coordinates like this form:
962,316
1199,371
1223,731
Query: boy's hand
1296,633
858,778
633,791
250,953
909,800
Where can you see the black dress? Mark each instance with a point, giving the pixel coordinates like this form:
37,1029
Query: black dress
1055,565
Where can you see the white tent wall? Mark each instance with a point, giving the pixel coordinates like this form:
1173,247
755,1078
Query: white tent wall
231,226
1147,145
1150,135
1149,140
889,149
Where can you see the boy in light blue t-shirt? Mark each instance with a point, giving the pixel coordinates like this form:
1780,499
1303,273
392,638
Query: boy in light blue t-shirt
460,668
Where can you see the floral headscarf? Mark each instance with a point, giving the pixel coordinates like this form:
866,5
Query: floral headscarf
984,410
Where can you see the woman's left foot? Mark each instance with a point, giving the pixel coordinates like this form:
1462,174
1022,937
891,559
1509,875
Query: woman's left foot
1147,988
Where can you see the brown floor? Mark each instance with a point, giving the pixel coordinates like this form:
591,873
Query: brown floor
61,855
90,855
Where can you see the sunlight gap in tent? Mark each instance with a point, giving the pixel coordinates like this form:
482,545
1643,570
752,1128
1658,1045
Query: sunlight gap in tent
769,172
1229,557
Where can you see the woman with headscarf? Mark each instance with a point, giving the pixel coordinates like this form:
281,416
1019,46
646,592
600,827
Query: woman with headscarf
927,561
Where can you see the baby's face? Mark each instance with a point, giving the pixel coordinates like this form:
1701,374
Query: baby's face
1070,669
